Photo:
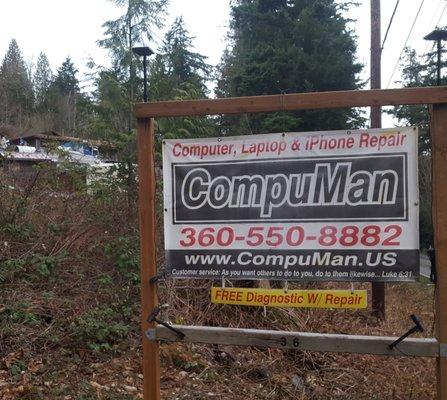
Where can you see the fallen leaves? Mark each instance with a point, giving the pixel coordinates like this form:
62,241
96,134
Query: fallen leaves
35,365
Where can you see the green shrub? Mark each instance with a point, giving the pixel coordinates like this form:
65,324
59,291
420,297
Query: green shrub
19,314
123,252
99,329
45,265
9,268
17,368
18,231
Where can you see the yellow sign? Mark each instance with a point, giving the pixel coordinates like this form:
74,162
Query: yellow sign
291,298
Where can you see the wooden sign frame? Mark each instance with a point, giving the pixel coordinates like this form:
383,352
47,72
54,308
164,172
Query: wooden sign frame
435,97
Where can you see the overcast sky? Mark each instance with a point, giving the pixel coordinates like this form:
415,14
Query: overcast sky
72,27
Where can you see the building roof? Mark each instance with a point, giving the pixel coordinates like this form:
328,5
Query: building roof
17,156
10,131
14,134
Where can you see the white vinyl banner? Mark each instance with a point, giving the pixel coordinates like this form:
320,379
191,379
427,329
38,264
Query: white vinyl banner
337,205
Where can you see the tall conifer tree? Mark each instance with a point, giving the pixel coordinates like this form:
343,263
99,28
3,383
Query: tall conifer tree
42,80
64,93
135,26
421,71
16,90
178,67
283,46
178,72
418,71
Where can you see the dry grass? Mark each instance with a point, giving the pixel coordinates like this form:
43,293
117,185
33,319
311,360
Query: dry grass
277,374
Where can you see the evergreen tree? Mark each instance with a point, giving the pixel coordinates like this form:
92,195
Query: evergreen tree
180,73
280,46
16,90
182,65
87,118
416,72
135,25
43,78
66,81
64,92
112,105
420,71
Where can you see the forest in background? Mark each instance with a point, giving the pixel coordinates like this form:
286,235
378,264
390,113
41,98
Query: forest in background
273,46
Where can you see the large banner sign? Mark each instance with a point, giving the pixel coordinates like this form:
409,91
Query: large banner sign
340,205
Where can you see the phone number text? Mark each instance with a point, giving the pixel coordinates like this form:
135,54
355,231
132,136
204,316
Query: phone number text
295,236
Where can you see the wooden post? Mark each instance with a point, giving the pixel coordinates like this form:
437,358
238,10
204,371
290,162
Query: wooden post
148,266
376,58
439,153
378,288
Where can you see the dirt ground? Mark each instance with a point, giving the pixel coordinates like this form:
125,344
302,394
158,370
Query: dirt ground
43,358
70,317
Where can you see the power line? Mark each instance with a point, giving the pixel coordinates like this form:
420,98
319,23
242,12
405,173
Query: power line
437,23
432,19
389,24
435,13
443,10
406,41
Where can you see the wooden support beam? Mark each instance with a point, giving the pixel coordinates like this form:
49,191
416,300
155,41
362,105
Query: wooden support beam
377,345
377,288
148,266
320,342
291,102
438,131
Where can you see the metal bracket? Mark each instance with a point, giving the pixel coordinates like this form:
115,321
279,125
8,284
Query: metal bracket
432,257
153,318
150,334
158,277
416,328
443,350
